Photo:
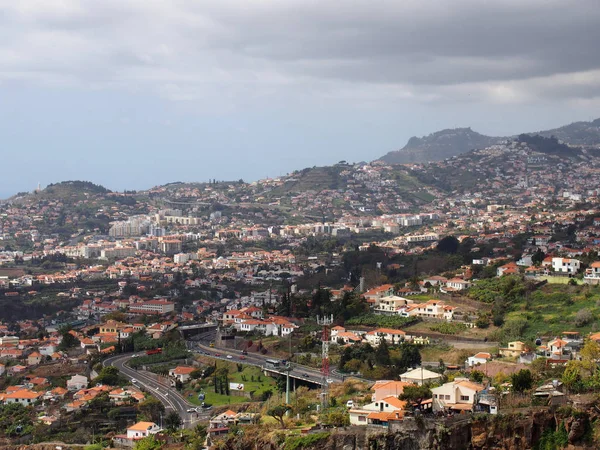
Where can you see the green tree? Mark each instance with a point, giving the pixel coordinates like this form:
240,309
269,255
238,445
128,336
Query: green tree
148,443
152,409
68,341
109,376
277,412
415,393
382,354
173,421
336,418
449,244
522,380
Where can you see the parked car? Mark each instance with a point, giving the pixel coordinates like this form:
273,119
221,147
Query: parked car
349,404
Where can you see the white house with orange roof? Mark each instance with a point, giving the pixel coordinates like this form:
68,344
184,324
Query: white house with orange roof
346,337
141,430
390,335
458,395
34,359
220,424
181,373
478,358
390,305
456,284
24,397
372,295
568,266
557,348
432,309
384,388
592,273
370,413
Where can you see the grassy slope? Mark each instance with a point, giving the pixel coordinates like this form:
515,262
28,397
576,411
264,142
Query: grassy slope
550,315
235,377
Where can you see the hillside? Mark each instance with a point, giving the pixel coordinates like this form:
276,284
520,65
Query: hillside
66,207
451,142
439,145
577,133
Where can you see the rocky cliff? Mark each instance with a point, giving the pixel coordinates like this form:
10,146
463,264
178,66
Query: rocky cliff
543,429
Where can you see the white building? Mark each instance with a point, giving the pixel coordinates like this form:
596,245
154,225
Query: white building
152,307
390,335
478,358
566,265
77,382
592,274
432,309
420,376
141,430
458,395
392,408
390,305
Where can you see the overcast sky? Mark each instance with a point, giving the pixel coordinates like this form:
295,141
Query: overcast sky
132,94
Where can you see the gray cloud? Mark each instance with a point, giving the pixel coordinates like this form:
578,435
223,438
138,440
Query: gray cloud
435,50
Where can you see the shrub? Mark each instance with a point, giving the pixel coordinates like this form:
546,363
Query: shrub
583,317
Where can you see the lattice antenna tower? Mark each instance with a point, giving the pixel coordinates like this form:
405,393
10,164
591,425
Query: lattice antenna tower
325,322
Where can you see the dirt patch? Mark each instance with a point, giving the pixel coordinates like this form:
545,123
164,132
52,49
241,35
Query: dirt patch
12,273
59,370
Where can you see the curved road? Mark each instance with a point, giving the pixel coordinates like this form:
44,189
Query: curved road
168,396
305,373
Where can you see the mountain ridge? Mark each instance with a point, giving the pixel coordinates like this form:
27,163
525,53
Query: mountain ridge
450,142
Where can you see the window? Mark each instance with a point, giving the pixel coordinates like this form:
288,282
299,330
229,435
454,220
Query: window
464,398
434,395
362,419
447,397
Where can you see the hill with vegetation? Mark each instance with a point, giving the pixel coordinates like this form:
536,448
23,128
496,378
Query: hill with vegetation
439,145
451,142
576,133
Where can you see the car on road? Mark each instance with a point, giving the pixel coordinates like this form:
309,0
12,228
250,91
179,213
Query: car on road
157,388
329,381
133,380
229,356
244,352
191,410
242,357
217,354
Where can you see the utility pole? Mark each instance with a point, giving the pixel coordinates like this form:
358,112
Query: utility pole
325,322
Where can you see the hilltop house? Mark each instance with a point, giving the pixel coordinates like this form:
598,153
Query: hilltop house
432,309
378,412
77,382
457,395
390,305
592,274
391,336
372,295
384,388
141,430
566,266
514,349
420,376
478,358
181,373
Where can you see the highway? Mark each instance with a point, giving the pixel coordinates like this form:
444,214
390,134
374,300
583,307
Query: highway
297,371
168,396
